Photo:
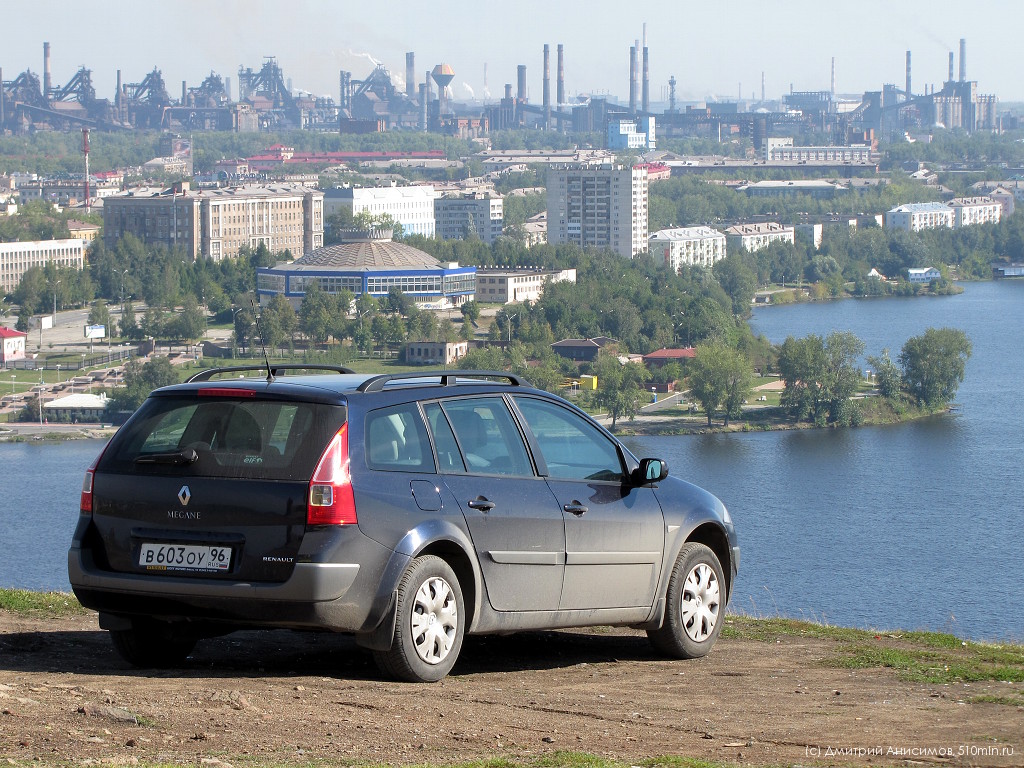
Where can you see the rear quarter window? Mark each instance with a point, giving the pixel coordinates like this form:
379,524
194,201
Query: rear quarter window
397,441
240,438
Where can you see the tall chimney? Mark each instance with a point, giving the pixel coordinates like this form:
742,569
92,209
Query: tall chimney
963,60
762,87
908,76
423,107
645,91
430,92
672,94
227,88
508,90
521,83
547,83
46,71
950,80
117,95
410,76
561,76
184,93
632,78
833,81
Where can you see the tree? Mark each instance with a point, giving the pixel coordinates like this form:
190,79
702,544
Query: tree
802,367
619,387
720,376
315,316
738,279
127,327
139,380
887,374
470,311
934,364
842,374
100,315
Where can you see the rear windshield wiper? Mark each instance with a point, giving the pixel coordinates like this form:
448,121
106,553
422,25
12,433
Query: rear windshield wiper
176,458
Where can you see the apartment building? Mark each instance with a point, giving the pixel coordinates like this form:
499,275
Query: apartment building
458,215
913,217
753,237
218,223
599,205
504,286
690,246
975,210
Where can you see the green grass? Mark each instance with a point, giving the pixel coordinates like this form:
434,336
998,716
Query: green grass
925,657
53,604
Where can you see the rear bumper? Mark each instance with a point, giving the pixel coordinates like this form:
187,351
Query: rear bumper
329,596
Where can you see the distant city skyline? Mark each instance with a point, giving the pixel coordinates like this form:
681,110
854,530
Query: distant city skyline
714,50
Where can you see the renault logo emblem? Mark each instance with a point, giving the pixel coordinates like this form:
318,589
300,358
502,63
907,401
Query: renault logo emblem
184,495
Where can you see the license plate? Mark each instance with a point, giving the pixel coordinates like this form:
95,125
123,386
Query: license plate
184,557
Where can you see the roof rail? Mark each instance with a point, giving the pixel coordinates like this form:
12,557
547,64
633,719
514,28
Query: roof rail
446,378
274,370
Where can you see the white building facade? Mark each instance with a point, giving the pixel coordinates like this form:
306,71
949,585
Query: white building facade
504,286
701,246
411,206
16,258
456,216
975,210
913,217
599,205
753,237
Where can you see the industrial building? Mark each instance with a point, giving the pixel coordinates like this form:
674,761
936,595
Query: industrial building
753,237
599,205
370,263
411,206
690,246
504,286
219,223
632,134
460,215
18,257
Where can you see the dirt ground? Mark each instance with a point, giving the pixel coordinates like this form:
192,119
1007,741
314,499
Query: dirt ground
287,698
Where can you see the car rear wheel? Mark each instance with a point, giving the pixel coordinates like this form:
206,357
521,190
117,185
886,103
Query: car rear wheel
429,627
695,607
152,644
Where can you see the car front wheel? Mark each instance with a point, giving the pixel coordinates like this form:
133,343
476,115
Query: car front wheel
695,607
430,623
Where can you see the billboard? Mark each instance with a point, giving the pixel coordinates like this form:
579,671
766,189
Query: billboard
95,331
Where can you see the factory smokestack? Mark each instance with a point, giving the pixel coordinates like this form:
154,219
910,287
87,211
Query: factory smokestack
117,95
762,87
645,91
430,93
950,80
521,83
561,76
184,93
963,60
46,71
410,76
423,107
547,84
672,94
632,78
833,81
908,76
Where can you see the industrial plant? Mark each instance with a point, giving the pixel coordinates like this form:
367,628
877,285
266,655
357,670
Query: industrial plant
374,102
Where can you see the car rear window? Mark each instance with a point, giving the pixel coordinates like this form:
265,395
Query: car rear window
224,437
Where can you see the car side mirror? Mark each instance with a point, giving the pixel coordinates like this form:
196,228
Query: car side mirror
650,471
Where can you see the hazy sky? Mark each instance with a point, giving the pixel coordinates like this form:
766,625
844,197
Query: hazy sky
711,47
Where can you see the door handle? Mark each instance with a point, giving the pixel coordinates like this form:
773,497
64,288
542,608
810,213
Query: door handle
575,508
484,505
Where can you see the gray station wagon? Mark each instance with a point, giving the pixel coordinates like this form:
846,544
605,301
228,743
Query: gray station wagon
408,510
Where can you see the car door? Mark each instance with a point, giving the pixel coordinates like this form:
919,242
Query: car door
614,532
515,524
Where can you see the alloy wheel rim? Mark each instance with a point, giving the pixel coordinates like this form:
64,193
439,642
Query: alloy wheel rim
435,620
700,602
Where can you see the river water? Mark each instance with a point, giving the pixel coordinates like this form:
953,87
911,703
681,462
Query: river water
914,526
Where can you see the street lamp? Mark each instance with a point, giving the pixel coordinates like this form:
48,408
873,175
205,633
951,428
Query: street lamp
125,272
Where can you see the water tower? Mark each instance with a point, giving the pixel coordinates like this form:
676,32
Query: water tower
442,74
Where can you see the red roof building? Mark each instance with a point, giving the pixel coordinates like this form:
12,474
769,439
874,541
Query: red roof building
12,345
660,357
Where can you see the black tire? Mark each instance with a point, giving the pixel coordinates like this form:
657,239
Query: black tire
430,624
695,605
152,644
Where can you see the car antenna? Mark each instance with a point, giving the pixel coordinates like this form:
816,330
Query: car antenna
263,342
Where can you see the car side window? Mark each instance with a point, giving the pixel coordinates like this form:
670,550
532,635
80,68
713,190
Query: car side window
573,448
488,438
396,440
448,457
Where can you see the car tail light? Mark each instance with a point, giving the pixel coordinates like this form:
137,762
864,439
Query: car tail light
85,503
330,491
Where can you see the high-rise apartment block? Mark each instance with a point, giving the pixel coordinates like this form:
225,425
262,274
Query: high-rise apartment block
411,206
599,205
459,216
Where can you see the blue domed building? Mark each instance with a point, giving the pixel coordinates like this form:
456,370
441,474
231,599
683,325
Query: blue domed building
371,263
